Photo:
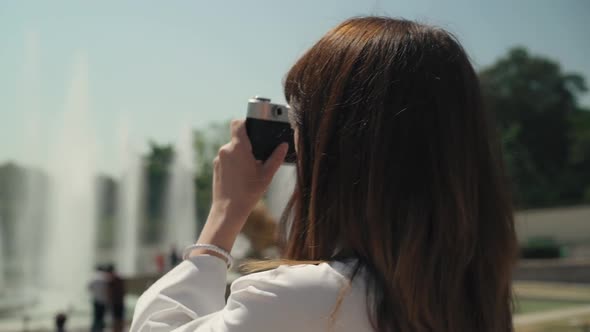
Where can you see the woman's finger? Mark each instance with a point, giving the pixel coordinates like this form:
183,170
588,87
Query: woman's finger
234,125
240,135
241,132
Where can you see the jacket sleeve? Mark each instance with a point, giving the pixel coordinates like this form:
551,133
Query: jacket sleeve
191,298
193,289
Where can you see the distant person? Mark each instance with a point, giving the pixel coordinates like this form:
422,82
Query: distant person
98,287
116,290
160,262
174,257
400,219
60,322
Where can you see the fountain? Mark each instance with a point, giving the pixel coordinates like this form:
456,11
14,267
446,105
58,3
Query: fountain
129,209
70,247
20,265
47,259
28,226
2,270
180,217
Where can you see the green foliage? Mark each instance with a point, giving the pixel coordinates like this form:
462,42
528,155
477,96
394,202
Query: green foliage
157,164
11,195
545,134
207,142
108,191
580,150
541,248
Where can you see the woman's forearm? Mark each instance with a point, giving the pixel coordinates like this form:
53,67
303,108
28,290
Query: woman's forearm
217,233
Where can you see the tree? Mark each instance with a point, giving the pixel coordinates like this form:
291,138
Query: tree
207,142
580,150
107,206
11,195
542,126
157,164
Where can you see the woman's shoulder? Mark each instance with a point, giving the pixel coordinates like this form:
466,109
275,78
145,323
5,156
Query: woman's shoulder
324,277
304,286
312,295
310,283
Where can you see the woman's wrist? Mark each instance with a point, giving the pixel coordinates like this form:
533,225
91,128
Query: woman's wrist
221,229
208,249
229,214
202,251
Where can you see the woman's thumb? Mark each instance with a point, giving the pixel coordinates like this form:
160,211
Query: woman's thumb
272,164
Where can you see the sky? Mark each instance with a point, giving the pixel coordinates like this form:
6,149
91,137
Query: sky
148,70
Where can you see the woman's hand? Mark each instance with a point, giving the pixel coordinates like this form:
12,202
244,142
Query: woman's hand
239,181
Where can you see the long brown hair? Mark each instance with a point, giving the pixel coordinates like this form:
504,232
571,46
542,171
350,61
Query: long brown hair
398,166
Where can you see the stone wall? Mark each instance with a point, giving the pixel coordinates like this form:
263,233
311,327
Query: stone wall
567,225
554,270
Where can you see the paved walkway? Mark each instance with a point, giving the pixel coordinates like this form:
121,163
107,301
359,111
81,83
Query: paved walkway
573,317
570,316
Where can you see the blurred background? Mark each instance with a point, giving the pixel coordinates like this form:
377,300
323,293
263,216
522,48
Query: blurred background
112,112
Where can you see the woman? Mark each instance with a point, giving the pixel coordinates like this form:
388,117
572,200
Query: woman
400,220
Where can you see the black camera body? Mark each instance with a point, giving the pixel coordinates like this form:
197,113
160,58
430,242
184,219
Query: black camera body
268,126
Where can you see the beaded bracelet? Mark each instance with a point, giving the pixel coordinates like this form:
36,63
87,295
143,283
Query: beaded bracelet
211,247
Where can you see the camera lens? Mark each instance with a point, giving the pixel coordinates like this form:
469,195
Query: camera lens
279,111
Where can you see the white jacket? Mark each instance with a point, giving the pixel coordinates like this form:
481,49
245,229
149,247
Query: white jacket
286,299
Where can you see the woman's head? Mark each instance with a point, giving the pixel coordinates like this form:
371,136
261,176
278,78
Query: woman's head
398,166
